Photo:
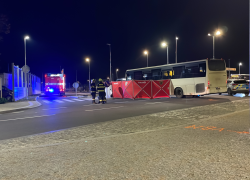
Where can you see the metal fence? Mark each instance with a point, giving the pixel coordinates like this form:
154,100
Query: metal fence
18,83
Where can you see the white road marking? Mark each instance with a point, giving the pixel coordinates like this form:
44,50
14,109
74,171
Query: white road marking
104,108
77,99
55,108
46,101
26,117
18,112
153,103
67,100
58,101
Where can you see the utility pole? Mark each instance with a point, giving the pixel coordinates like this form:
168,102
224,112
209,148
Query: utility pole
110,60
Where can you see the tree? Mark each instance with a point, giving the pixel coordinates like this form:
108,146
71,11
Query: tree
4,25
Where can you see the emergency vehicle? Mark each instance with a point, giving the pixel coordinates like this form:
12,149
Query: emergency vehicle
55,84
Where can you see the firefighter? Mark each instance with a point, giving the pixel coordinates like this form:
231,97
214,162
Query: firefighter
93,91
101,90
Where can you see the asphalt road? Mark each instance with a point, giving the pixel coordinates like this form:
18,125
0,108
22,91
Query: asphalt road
66,112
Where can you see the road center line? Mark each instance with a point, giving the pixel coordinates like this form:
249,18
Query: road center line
153,103
55,108
104,108
26,117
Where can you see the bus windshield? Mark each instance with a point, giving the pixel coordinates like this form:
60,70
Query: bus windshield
216,65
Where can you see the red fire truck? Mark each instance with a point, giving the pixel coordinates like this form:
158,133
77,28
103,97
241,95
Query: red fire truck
55,84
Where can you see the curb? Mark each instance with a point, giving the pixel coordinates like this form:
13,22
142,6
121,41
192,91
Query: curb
23,108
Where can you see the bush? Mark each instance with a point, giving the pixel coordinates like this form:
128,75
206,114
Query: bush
3,100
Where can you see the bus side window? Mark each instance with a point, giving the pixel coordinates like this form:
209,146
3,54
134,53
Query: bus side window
138,75
178,72
166,75
202,72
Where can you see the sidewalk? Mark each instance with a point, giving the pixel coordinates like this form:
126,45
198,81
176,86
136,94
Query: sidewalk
19,105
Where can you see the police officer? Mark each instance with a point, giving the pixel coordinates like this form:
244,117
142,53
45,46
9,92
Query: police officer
101,90
93,91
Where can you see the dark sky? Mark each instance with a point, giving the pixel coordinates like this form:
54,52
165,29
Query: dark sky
62,33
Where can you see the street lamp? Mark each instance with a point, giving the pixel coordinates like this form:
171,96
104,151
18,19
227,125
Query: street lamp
239,67
88,60
110,59
217,33
26,89
146,53
164,44
176,38
117,73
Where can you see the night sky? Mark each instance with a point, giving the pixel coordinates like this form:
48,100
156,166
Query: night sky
63,33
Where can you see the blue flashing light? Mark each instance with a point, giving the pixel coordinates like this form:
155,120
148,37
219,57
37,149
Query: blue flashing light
51,90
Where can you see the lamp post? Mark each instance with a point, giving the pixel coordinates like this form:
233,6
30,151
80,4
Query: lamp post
176,38
26,89
164,44
88,60
117,73
239,67
146,53
215,34
110,59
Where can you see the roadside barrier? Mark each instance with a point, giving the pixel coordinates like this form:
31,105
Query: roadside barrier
136,89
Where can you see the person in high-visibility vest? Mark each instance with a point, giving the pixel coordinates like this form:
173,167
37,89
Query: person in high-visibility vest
101,90
93,91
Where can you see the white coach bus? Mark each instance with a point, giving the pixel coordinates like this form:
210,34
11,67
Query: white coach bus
194,78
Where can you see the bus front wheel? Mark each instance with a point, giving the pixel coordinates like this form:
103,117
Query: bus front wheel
179,93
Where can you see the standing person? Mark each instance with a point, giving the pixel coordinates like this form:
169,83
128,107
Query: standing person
93,91
107,84
101,90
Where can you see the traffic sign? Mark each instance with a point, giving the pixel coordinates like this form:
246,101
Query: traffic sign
26,69
75,85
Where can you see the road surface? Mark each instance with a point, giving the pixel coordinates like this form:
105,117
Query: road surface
58,113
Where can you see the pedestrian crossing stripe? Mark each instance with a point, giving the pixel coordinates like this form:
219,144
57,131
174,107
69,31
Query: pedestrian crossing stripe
58,101
77,99
67,100
46,101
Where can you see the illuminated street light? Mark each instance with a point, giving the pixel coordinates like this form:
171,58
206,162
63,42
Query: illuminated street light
217,33
88,60
164,44
146,53
239,67
26,89
176,38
